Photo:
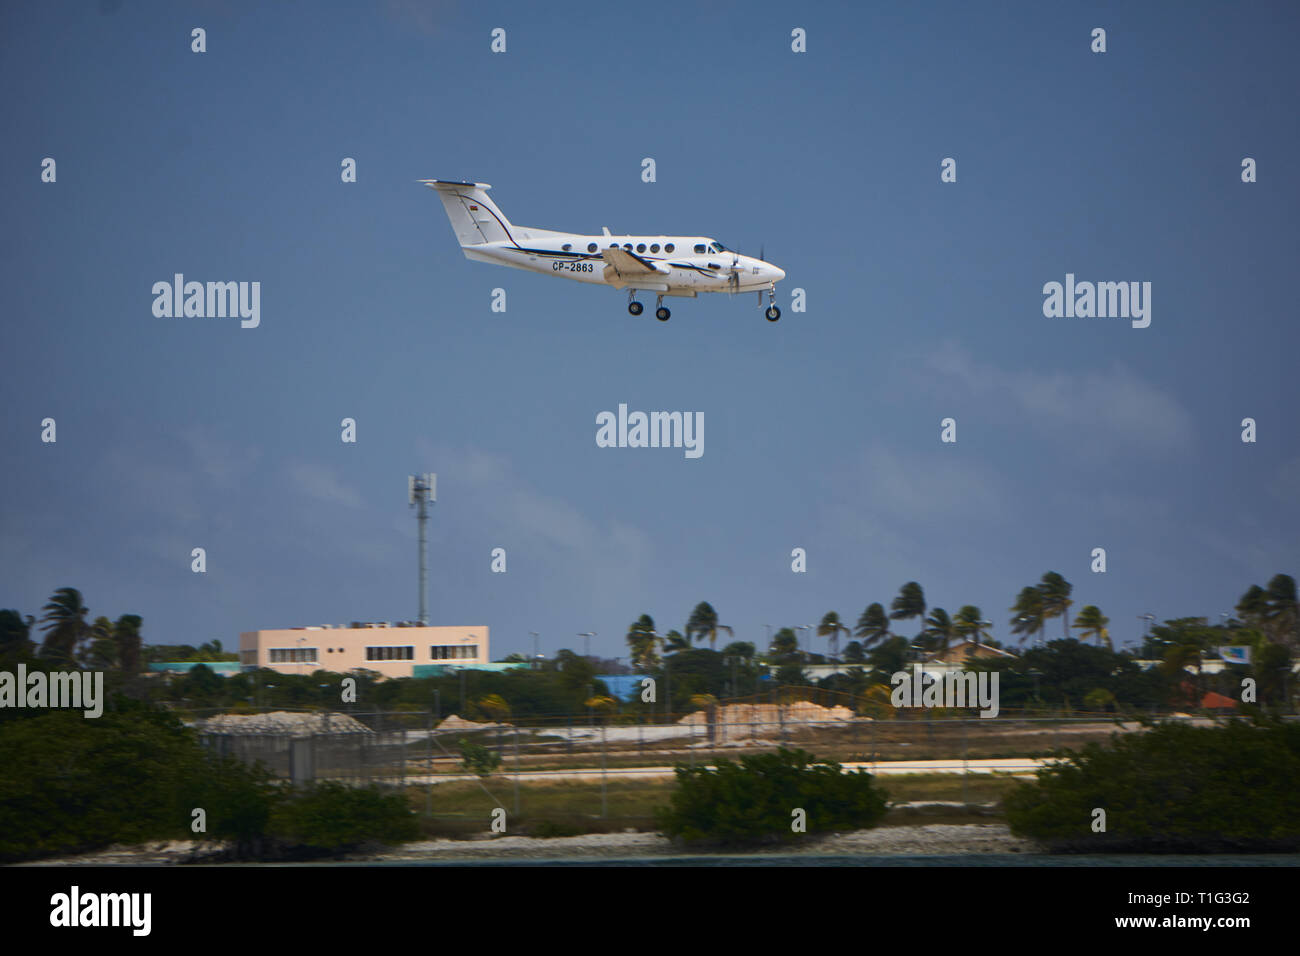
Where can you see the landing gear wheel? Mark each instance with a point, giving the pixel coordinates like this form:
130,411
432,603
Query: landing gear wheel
662,314
772,313
634,308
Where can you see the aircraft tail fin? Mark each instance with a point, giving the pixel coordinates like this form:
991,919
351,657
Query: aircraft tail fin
475,218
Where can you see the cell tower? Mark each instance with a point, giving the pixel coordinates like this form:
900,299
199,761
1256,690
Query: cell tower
421,491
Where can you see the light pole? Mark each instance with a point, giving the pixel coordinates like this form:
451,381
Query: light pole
668,678
534,660
800,627
1148,618
588,635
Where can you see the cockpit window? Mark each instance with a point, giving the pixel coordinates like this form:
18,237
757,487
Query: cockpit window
717,247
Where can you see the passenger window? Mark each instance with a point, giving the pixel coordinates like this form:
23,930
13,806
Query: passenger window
669,247
627,246
591,247
699,247
654,247
640,247
567,246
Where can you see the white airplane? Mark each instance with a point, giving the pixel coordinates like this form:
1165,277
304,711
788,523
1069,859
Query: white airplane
665,265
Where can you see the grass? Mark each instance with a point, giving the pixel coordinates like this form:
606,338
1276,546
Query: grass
567,808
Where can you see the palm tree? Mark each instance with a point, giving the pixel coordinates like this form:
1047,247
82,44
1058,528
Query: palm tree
1056,597
126,635
65,624
909,603
15,634
1027,615
940,628
970,623
99,652
704,621
1283,613
641,641
785,646
1253,608
873,625
830,628
674,642
1090,621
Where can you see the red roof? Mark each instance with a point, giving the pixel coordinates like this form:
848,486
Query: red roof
1217,701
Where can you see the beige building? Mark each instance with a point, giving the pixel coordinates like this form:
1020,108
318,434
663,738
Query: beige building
394,650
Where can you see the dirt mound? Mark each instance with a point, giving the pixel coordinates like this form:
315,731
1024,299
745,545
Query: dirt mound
456,722
283,722
751,720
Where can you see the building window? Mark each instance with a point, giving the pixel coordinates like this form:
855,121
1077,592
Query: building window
453,652
292,655
390,653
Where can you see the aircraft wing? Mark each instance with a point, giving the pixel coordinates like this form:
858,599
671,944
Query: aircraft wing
628,265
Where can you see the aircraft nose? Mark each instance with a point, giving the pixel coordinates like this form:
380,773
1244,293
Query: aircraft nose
777,273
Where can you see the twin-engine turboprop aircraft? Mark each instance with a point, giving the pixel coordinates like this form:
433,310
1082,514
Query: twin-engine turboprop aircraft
665,265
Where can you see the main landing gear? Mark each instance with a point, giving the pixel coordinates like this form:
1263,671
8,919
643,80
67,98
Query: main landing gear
772,313
661,313
633,305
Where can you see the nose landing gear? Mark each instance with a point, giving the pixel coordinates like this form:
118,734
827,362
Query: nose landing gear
772,313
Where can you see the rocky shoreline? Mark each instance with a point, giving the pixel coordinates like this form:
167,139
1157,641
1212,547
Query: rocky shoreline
933,839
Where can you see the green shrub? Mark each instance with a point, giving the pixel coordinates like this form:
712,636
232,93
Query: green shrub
330,816
1173,788
478,759
71,784
753,800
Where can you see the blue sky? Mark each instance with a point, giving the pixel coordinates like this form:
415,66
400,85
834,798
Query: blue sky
924,300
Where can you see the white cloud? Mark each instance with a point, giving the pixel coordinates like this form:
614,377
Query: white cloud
319,482
1110,405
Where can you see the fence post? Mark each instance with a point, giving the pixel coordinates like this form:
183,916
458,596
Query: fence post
603,803
516,740
965,766
428,784
403,765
